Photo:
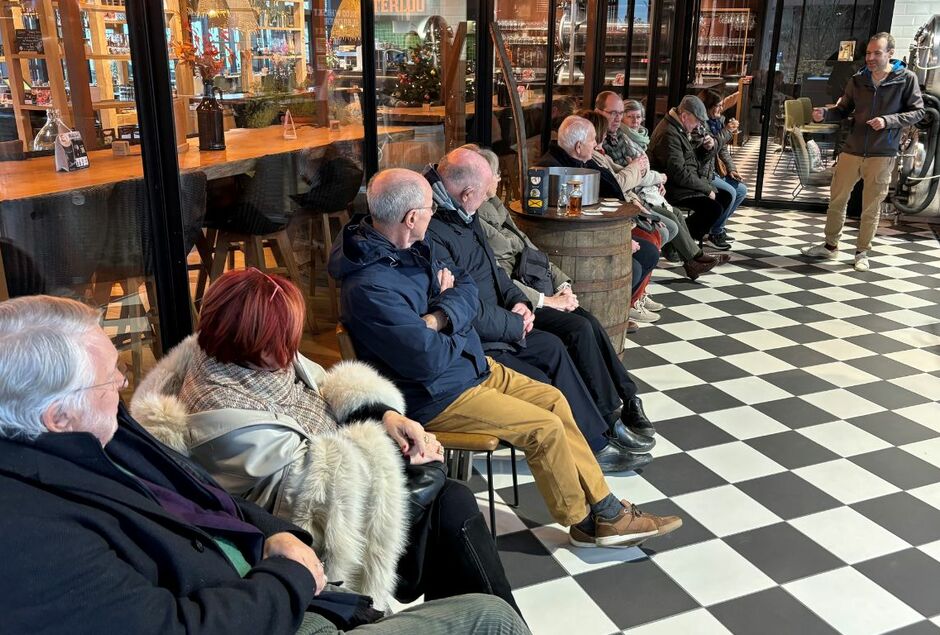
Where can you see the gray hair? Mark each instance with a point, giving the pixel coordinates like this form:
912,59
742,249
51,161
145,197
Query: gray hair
44,360
574,130
459,170
487,154
632,104
392,192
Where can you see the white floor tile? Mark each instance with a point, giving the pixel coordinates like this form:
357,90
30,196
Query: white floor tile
562,607
745,422
712,572
726,510
775,287
838,309
751,390
660,407
904,300
921,384
736,461
927,414
838,294
915,337
930,494
578,560
840,328
758,363
769,303
506,520
706,295
679,352
852,603
928,450
699,621
768,319
664,446
837,279
843,438
634,488
842,403
845,481
690,330
840,349
849,535
699,311
666,377
932,549
900,285
763,340
840,374
909,317
918,358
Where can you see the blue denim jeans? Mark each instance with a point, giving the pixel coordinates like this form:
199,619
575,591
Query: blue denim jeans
737,190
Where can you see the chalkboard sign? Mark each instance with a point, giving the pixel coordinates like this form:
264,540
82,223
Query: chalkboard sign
28,41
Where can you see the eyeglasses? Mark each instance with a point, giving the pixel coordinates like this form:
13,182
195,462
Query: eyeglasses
119,382
615,113
432,207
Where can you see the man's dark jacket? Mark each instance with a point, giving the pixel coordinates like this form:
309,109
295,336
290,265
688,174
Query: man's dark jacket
557,157
671,152
87,549
465,244
897,99
385,292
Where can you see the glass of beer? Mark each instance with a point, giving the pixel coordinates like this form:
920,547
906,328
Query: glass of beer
574,198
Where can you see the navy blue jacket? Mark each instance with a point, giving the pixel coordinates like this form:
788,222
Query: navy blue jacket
466,245
385,292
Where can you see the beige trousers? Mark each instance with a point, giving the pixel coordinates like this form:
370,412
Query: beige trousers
536,418
876,171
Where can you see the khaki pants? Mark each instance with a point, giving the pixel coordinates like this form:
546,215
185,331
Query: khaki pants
535,418
877,174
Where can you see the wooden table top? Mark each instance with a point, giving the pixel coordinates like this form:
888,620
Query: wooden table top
37,177
626,211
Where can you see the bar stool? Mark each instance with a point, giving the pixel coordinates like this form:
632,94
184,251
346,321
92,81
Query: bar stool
458,446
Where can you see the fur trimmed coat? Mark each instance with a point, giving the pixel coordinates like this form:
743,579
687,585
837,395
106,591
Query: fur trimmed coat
347,488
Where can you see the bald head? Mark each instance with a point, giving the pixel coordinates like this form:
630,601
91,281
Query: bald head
391,193
466,176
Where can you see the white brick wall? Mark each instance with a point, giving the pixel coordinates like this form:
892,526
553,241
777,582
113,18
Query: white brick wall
908,17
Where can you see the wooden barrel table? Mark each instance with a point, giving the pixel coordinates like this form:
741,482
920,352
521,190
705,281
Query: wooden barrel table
596,252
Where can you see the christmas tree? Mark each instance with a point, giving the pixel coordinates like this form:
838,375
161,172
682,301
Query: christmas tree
419,81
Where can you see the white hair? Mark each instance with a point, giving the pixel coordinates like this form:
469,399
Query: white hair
44,360
574,130
391,193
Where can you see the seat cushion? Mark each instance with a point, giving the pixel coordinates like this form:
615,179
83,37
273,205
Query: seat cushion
467,441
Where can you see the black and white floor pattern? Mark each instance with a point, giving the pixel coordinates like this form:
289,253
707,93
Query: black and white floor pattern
780,177
799,438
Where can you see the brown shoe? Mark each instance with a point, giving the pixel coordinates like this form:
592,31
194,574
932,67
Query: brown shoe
723,258
632,327
580,538
631,527
697,266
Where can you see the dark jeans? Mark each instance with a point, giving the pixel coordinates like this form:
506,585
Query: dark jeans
545,359
705,212
454,554
591,351
644,261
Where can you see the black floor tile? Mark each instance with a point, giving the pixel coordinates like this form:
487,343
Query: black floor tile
723,345
797,382
640,357
676,474
730,325
745,277
650,335
806,299
920,628
692,433
883,367
901,469
909,575
800,356
531,510
743,291
788,495
792,450
675,298
907,517
526,560
736,307
801,334
875,323
783,553
635,593
703,398
692,532
794,412
770,612
713,370
872,305
807,283
893,428
877,343
888,395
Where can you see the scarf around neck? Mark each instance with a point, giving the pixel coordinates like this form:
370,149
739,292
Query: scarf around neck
640,136
443,199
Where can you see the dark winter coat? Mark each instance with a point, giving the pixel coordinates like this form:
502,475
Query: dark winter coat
385,292
557,157
897,99
88,549
671,152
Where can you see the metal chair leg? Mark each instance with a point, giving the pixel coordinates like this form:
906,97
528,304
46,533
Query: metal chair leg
492,493
515,477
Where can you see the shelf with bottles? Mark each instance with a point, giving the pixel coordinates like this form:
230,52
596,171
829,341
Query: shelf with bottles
726,40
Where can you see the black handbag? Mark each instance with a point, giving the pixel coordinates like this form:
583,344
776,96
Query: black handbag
534,270
424,483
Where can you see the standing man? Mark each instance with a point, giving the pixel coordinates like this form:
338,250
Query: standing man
884,98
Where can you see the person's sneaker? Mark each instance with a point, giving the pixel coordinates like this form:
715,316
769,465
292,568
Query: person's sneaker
728,238
580,538
861,261
717,242
631,527
651,304
640,313
819,251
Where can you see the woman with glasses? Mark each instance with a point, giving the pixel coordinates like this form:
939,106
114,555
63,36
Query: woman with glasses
318,448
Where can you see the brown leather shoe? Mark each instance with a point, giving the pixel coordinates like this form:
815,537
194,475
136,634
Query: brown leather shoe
723,258
697,266
632,327
631,527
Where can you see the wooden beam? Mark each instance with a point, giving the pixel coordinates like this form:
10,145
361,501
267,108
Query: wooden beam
73,40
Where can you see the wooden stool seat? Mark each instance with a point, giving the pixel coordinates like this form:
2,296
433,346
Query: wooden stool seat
468,441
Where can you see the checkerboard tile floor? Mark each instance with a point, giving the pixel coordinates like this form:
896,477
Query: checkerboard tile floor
780,178
799,438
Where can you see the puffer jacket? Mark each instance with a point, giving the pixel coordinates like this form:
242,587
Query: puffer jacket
671,152
897,99
508,241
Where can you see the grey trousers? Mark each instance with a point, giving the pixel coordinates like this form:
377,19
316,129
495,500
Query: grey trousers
684,243
472,613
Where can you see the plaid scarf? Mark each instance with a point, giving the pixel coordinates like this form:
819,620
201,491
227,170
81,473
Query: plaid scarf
617,147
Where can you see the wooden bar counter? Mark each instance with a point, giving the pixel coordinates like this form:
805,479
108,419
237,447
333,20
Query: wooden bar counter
595,250
37,177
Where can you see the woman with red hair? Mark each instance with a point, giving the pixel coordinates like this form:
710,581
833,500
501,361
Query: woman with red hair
329,451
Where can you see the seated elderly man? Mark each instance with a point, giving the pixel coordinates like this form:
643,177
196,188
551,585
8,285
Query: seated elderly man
412,317
505,321
106,530
671,152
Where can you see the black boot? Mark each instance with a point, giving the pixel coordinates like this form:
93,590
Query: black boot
629,440
612,459
635,419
